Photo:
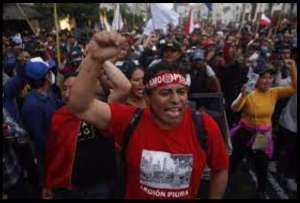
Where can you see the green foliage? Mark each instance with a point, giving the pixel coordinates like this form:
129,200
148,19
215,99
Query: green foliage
84,12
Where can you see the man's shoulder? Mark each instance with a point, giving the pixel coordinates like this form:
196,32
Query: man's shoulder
121,107
31,99
63,118
63,113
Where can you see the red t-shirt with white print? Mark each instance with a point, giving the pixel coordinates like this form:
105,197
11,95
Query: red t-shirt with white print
166,164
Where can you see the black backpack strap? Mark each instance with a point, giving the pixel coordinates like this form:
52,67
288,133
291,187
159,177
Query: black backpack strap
131,126
126,137
197,118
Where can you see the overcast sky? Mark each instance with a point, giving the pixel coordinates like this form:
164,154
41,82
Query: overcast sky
170,5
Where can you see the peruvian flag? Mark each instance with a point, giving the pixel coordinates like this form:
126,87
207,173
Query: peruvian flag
189,26
264,20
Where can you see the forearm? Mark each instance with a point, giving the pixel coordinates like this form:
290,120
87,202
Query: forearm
218,184
281,82
84,88
283,92
238,104
120,82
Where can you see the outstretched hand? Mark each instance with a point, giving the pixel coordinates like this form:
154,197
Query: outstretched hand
106,45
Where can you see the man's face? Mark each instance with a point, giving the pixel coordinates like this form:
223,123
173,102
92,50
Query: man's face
50,39
230,39
171,55
285,54
65,92
63,37
199,64
24,57
72,40
167,104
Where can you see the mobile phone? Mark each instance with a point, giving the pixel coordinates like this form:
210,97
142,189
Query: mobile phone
252,79
250,86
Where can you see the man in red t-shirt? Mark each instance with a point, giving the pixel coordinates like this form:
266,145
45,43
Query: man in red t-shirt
164,157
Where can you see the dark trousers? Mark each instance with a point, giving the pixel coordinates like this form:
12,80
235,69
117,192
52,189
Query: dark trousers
232,117
22,190
287,153
102,190
259,159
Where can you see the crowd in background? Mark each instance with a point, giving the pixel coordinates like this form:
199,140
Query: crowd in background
214,59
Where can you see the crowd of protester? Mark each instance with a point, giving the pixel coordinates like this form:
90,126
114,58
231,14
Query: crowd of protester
50,152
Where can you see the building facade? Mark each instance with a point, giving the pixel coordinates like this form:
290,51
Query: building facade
234,12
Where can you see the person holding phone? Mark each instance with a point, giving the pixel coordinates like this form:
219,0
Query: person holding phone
253,135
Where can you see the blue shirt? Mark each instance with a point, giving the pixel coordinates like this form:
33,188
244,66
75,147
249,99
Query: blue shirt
36,113
11,89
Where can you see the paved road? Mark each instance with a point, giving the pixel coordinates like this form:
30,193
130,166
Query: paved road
243,183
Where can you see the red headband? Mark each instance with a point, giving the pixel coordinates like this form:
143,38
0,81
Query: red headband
166,78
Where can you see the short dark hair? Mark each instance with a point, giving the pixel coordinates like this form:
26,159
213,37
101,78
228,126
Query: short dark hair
69,75
131,70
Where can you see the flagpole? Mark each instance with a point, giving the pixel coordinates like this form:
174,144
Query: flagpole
26,18
100,26
59,76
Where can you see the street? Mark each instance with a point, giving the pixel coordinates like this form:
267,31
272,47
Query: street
242,186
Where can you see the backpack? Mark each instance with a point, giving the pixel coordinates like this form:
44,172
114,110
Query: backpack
129,130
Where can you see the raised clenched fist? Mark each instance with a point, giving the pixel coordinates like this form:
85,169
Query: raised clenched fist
106,45
290,62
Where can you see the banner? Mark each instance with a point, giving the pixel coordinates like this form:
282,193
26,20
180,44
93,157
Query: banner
189,24
162,16
149,27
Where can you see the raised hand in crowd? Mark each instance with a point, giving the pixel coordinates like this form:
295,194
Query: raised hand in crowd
106,45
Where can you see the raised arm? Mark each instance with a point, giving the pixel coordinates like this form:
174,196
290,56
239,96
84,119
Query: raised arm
240,101
82,103
120,84
287,91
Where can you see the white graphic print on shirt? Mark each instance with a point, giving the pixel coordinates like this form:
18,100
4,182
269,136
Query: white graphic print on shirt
162,170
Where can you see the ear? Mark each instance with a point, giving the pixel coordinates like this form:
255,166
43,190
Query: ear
49,76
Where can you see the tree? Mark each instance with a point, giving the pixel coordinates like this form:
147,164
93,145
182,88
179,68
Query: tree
132,19
82,12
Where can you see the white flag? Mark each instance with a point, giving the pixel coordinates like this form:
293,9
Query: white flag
162,16
149,27
117,23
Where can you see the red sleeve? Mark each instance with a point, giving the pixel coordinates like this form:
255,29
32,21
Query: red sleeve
217,155
121,115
